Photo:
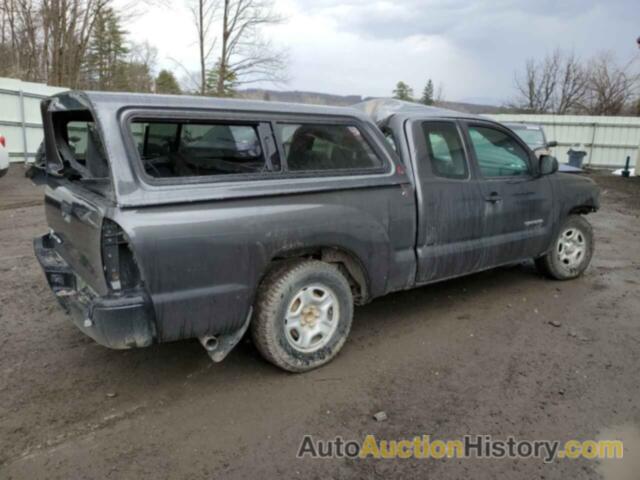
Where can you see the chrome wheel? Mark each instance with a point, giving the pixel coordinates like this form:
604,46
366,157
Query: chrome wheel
571,248
311,318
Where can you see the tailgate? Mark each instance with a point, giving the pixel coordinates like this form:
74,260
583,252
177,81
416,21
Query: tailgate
78,192
75,216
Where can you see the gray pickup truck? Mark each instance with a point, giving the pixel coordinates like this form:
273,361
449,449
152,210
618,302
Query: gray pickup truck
175,217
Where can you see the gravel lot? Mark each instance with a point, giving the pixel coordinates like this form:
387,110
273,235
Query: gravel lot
470,356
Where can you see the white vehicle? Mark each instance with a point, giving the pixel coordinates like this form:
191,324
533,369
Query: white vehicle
4,157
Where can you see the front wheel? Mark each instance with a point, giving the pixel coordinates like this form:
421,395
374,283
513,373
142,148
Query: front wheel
303,315
571,252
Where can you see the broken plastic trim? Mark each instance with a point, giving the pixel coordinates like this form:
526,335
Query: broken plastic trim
219,346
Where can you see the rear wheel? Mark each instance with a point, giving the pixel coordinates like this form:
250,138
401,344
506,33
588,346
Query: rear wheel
303,315
571,252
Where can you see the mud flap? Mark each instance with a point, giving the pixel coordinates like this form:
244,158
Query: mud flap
218,347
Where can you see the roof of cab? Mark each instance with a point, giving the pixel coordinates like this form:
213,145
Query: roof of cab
116,101
382,109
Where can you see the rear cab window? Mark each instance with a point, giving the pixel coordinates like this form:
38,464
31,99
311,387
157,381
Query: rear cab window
312,147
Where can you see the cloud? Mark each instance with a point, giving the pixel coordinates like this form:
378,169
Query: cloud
365,47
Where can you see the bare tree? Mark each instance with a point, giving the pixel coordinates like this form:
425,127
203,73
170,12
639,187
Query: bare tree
138,70
572,85
562,83
245,55
611,88
537,86
204,14
48,40
439,98
67,29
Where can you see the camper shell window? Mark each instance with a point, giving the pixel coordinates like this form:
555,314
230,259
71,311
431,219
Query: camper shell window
80,148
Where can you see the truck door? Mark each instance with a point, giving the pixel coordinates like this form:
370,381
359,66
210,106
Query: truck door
450,203
517,202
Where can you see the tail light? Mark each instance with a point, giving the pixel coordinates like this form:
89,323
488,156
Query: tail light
3,142
120,268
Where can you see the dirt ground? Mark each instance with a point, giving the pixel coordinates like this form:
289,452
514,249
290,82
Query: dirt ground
471,356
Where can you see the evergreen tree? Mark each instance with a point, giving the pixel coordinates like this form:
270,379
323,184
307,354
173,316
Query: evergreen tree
427,93
107,51
403,92
166,83
229,83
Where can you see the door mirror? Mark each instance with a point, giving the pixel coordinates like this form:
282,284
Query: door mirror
552,144
548,165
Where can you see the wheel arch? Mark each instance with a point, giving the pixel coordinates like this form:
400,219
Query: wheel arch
582,209
348,262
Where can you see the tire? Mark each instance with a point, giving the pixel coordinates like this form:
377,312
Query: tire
303,315
571,252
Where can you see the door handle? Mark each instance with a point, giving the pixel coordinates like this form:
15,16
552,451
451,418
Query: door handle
493,197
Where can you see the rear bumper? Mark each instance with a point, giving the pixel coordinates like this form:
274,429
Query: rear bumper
115,321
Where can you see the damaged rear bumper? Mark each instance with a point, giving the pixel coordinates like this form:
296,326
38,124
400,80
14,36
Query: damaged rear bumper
115,321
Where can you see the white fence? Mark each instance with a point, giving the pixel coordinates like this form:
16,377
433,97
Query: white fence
20,119
607,140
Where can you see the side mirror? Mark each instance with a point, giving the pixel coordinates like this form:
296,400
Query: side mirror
548,165
552,144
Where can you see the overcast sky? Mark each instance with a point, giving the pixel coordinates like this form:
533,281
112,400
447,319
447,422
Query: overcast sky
365,46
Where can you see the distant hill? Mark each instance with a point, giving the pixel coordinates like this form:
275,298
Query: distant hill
299,97
317,98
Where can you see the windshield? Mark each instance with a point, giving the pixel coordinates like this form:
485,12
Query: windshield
532,136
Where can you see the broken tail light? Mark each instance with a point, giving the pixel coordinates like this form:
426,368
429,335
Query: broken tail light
120,268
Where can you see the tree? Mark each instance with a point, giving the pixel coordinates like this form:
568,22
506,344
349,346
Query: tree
136,74
439,98
611,88
166,82
67,27
204,13
245,56
403,92
573,85
537,86
427,93
562,83
229,83
107,51
47,40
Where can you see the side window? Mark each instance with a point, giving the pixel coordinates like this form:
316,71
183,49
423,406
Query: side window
391,140
310,147
445,150
498,154
78,133
84,146
186,149
158,138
